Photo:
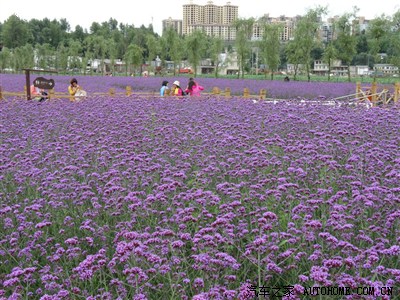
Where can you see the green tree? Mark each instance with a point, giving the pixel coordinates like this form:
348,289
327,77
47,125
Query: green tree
153,47
270,47
196,47
97,45
294,56
329,56
134,57
5,59
48,32
172,46
44,56
15,32
23,57
215,49
111,53
244,31
394,49
79,34
95,28
62,58
306,35
378,33
74,53
346,41
362,43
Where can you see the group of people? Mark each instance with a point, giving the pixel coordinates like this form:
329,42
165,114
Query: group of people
74,91
192,89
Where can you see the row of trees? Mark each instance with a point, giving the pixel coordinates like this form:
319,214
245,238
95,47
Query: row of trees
57,46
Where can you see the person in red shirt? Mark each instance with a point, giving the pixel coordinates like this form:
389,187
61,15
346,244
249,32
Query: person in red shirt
38,94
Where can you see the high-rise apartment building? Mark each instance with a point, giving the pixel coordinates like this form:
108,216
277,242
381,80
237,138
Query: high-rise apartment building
172,23
214,20
287,23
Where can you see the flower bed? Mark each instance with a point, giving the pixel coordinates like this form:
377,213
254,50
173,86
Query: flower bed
196,199
275,89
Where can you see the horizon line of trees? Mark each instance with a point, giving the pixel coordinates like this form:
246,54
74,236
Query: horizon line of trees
53,45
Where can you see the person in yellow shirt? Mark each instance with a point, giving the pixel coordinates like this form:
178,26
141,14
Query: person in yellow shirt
74,87
75,90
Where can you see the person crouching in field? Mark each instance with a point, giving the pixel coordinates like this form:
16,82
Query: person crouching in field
194,89
38,94
75,90
164,90
176,90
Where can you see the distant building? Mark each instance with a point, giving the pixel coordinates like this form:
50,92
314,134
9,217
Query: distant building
227,64
326,30
386,69
359,70
212,19
171,23
322,68
288,25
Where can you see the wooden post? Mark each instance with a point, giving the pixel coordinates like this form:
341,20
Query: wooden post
263,93
28,85
215,91
246,93
128,90
374,88
1,94
227,92
51,93
396,95
111,91
358,90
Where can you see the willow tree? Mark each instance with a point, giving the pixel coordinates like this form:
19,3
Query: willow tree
306,35
215,47
243,43
153,46
378,34
44,54
330,54
23,57
346,41
195,48
133,56
172,46
294,56
61,58
5,59
395,40
270,47
112,52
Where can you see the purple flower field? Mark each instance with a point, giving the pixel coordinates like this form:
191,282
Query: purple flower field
150,198
275,89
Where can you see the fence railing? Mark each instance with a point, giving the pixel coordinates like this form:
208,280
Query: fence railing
363,94
53,94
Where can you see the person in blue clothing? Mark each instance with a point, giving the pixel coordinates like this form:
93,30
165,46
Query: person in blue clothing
164,88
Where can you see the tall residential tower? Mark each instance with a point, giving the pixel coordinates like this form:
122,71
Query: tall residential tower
214,20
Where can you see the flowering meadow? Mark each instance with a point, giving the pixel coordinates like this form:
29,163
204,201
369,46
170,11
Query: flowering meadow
275,89
144,197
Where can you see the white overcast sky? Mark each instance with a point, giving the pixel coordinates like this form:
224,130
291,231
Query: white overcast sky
147,12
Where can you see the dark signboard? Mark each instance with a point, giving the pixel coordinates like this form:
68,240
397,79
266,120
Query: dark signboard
43,83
